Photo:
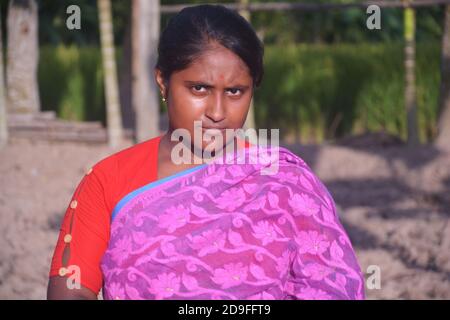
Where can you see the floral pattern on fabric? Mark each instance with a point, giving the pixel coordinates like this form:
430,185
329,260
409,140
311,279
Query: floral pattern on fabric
229,232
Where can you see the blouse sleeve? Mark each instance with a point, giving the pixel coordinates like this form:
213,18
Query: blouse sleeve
84,233
323,264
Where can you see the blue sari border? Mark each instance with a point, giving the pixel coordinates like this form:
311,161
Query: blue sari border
153,184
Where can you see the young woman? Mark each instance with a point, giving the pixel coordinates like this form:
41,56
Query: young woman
142,226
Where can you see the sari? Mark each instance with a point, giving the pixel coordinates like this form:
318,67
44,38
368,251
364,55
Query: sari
226,231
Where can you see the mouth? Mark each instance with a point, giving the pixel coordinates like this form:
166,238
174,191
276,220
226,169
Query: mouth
213,129
214,132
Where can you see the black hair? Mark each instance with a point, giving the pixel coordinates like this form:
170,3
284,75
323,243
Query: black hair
190,32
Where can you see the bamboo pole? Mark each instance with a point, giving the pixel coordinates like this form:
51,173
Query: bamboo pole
250,120
144,42
443,138
3,119
410,77
113,115
287,6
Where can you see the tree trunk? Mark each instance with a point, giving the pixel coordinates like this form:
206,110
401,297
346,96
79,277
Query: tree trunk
250,120
144,42
443,138
125,80
22,57
410,78
113,116
3,122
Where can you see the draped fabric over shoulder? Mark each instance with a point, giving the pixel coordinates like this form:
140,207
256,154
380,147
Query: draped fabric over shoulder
229,231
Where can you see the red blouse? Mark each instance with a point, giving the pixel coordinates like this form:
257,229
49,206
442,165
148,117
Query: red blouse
84,233
85,230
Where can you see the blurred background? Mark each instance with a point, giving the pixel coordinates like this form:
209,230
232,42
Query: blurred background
363,98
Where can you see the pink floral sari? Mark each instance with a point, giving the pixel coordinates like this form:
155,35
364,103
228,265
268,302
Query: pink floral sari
226,231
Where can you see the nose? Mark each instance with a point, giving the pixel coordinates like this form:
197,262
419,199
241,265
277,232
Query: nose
216,109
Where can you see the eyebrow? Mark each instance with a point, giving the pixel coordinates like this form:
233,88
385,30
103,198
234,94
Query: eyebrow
202,83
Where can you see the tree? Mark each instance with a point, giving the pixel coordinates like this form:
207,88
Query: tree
22,57
3,123
125,76
410,78
113,115
250,120
144,41
443,138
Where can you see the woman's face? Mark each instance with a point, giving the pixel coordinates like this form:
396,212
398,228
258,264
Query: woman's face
215,90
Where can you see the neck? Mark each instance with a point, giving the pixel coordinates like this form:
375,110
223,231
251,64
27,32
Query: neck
166,146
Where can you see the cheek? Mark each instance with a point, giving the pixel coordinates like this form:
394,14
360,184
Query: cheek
238,112
183,110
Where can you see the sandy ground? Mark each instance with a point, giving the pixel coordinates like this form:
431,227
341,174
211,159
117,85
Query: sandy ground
393,201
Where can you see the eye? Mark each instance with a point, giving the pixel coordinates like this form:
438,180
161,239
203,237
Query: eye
198,88
235,91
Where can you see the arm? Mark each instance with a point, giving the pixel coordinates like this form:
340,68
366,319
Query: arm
83,239
58,290
324,265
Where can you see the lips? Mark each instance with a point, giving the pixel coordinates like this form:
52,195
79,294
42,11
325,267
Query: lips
206,128
214,129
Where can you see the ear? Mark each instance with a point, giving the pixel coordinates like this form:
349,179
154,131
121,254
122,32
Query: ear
160,81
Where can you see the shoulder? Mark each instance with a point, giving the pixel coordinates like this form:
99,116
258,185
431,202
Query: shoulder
290,170
126,159
137,152
115,174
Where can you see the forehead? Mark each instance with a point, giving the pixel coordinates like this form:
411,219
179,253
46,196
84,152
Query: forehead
216,64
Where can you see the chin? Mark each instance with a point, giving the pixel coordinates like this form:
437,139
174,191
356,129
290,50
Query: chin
209,146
